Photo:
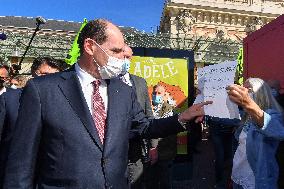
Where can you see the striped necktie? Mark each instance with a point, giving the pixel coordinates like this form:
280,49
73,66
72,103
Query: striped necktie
99,113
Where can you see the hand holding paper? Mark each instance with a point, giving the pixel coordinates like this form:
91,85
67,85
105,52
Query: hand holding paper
239,95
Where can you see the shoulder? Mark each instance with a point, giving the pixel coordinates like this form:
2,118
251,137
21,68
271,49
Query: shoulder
118,83
12,93
138,80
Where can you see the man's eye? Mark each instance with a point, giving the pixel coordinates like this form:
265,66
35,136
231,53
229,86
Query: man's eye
116,51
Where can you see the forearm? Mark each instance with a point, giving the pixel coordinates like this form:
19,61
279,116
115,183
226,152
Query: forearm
255,112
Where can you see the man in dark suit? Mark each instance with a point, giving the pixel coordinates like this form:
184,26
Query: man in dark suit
73,127
10,98
9,105
4,76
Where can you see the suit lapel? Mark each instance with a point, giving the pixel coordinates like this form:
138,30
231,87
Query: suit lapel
113,89
72,90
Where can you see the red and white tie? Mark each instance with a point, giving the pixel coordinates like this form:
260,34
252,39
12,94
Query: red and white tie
99,113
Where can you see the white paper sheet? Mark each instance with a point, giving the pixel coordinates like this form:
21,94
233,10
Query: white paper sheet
212,82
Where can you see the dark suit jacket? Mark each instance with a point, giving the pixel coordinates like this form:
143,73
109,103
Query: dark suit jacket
56,144
137,146
9,104
142,94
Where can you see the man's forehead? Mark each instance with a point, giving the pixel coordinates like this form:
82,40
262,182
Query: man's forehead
114,36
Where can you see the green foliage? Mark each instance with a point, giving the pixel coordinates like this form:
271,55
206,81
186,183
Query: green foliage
74,52
240,67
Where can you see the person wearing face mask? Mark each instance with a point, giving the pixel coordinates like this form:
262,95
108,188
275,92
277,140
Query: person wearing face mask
163,150
261,129
73,127
138,153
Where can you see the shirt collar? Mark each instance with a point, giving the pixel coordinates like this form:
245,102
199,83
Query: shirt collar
127,76
84,76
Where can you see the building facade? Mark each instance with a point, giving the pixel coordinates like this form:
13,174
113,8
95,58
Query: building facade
215,28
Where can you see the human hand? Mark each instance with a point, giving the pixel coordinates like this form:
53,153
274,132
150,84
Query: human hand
199,119
194,111
239,95
153,153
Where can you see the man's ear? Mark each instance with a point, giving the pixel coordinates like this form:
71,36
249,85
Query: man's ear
89,47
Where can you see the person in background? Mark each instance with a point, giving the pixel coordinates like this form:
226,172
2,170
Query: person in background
254,162
19,81
163,150
138,153
275,88
4,76
221,136
63,65
194,134
10,102
44,65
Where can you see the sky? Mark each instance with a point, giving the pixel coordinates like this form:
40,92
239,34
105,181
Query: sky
141,14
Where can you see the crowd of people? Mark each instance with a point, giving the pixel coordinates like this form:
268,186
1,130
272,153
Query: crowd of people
93,125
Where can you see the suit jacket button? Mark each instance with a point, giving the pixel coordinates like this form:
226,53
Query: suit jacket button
104,161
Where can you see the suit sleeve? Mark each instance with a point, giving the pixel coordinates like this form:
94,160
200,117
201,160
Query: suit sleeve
22,156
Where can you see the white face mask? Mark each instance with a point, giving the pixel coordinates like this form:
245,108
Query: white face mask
113,68
127,64
13,86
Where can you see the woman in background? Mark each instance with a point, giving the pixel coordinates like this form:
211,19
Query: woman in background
254,163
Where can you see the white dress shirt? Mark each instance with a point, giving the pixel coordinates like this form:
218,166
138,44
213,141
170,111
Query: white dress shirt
126,79
242,173
87,87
